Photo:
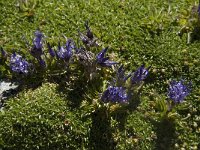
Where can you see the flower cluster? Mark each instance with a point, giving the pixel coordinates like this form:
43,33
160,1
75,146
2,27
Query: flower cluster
120,90
18,64
178,91
64,52
115,94
62,55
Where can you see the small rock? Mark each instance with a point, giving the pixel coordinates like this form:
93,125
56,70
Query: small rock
6,89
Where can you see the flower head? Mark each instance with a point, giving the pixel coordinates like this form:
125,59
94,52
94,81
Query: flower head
36,50
115,95
18,64
140,74
65,53
178,91
102,60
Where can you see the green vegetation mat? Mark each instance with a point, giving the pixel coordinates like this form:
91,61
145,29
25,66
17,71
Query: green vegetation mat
150,32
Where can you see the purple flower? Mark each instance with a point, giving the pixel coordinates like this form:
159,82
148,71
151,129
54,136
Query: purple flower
178,91
65,53
18,64
36,50
51,51
115,95
139,75
102,60
38,40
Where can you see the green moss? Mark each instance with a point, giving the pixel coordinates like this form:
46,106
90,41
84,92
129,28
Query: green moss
138,32
40,119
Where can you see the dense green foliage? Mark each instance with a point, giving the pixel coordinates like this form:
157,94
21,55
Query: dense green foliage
40,119
137,32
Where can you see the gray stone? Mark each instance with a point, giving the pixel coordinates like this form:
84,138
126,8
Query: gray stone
6,86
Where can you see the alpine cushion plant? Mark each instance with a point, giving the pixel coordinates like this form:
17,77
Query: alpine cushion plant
178,91
119,92
18,64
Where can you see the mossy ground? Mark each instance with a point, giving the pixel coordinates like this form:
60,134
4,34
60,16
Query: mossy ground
137,32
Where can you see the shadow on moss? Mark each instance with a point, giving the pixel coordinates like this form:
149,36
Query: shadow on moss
165,134
100,137
121,114
73,90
